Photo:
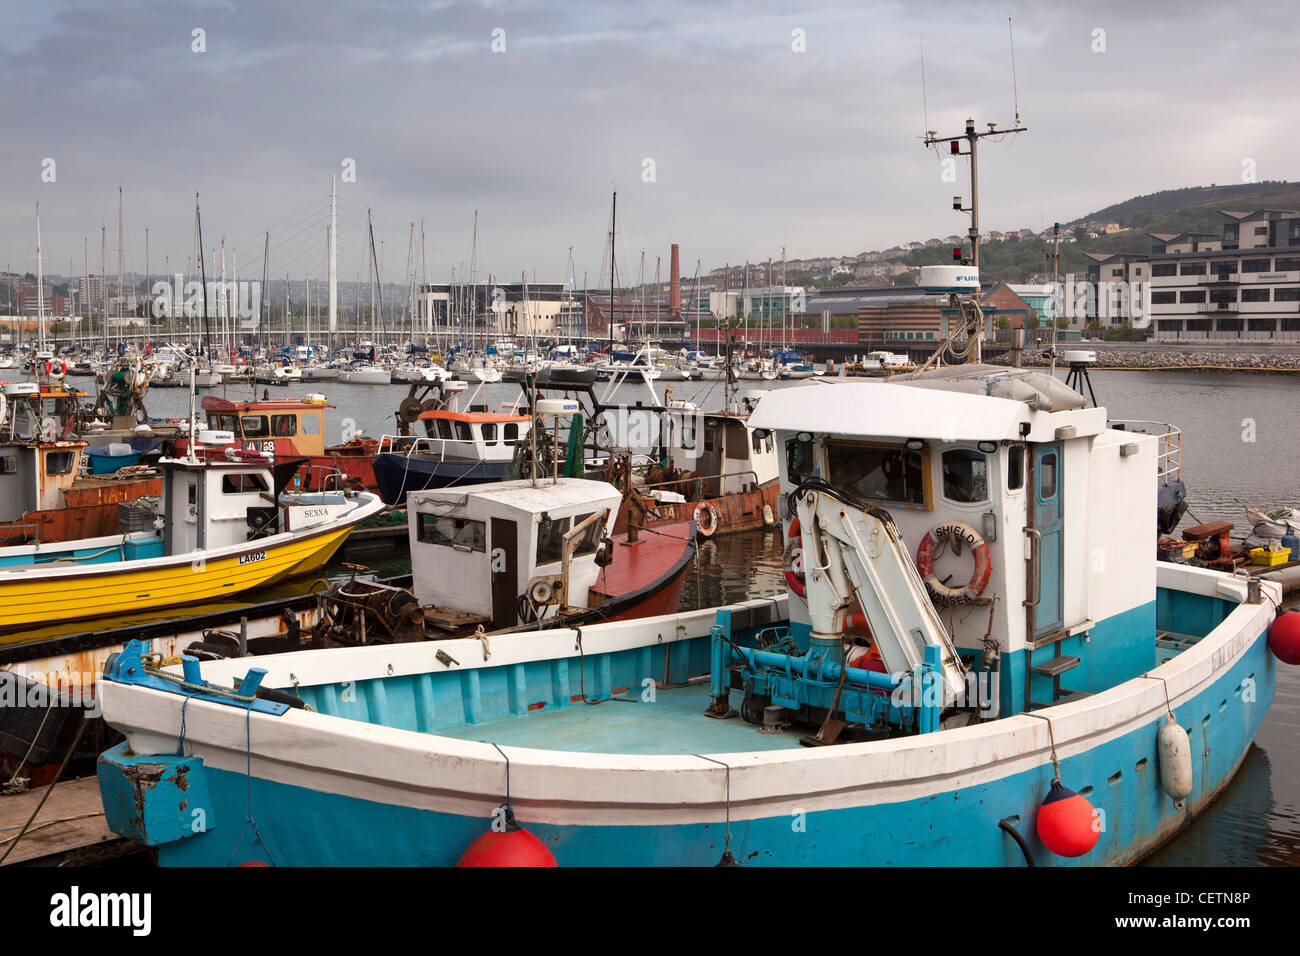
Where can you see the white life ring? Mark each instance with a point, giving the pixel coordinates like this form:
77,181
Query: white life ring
979,550
56,368
703,528
792,559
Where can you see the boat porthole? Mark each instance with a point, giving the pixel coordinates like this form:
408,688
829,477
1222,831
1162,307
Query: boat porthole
1115,777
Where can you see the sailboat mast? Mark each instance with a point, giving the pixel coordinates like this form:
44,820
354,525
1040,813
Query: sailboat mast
121,253
40,289
333,260
613,221
203,278
103,281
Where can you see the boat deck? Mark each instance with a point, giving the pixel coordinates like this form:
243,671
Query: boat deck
673,723
638,565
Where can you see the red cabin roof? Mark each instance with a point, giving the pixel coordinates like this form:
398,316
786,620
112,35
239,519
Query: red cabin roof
474,416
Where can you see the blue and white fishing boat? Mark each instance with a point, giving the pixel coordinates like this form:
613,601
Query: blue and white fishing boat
1073,702
459,447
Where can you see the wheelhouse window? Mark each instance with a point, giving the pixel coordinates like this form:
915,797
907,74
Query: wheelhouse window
889,473
311,424
255,426
8,464
225,423
58,463
463,533
688,434
1015,467
1047,477
284,426
490,433
463,432
798,459
550,538
242,483
510,432
965,475
591,538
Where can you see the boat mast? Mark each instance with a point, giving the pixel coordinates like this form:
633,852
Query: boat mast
40,290
376,280
103,281
1056,268
658,293
613,220
473,289
121,252
85,254
203,281
424,280
767,305
695,297
333,260
265,292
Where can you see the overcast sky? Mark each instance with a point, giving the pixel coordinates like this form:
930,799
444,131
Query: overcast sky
754,144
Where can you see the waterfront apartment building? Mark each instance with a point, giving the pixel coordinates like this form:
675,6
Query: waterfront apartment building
447,310
1242,285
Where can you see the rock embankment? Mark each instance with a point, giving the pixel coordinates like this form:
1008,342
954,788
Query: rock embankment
1166,359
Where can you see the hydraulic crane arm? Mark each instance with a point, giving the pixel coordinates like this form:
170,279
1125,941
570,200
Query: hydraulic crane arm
852,549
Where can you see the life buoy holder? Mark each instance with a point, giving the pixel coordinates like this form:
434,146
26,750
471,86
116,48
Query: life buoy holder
792,559
979,578
706,519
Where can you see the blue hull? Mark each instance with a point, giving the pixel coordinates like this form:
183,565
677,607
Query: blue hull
304,827
397,474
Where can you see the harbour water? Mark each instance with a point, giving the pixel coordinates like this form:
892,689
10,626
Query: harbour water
1238,436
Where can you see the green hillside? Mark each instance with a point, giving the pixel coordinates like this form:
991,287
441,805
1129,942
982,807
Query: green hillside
1194,209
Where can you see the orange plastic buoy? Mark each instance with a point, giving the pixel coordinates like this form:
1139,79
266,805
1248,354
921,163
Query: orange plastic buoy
513,846
1284,637
1065,822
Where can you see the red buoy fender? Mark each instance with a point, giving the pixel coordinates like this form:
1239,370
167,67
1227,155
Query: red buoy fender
515,847
793,559
1284,637
1066,822
979,550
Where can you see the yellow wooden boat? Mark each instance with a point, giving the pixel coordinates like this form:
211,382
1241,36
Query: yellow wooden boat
225,525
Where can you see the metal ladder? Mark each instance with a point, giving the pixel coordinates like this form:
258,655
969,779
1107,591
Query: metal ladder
1052,668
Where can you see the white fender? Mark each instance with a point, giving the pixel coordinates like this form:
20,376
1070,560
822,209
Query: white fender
1175,754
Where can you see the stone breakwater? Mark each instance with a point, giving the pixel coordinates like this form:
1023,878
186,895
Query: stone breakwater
1171,358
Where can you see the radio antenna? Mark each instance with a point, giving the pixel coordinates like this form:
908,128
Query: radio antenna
925,107
1015,91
